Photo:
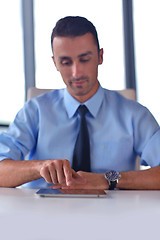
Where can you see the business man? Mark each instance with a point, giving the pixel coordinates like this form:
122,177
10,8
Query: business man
47,128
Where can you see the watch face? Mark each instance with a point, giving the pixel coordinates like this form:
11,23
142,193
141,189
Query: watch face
112,175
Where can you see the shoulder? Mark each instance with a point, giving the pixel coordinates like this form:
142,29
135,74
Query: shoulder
126,107
54,95
49,98
115,98
42,103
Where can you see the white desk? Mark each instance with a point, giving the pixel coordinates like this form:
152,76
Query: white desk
123,215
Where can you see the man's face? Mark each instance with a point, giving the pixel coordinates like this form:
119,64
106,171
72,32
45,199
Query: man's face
77,61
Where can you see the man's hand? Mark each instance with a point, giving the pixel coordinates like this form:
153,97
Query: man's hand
60,173
93,181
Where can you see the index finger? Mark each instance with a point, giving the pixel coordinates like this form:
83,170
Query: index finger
67,172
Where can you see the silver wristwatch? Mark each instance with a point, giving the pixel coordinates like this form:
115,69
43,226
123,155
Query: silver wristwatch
112,177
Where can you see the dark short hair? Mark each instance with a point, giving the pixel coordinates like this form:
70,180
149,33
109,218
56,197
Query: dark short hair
74,26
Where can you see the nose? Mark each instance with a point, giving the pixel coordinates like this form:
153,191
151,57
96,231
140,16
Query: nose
76,70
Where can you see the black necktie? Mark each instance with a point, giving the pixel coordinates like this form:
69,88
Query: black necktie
81,155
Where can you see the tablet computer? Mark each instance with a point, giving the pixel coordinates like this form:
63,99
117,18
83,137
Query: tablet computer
80,193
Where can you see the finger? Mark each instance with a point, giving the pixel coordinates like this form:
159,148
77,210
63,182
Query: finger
45,174
60,172
53,173
78,181
56,186
67,172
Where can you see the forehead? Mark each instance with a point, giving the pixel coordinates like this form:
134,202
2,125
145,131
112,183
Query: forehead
67,46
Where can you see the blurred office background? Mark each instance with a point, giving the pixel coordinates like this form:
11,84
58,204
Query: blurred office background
109,17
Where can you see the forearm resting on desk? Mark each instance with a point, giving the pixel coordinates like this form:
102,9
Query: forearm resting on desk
141,180
14,173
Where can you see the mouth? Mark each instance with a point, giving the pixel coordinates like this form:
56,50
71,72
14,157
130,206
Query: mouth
79,81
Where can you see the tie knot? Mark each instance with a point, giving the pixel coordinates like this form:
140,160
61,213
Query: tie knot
82,110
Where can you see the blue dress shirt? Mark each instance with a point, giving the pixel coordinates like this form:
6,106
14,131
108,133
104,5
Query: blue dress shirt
47,127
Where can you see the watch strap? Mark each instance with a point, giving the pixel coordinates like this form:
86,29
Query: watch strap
112,185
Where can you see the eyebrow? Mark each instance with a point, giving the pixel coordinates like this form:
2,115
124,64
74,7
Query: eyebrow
85,54
79,56
64,58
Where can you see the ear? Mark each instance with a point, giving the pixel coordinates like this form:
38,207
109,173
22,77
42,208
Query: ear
54,62
100,56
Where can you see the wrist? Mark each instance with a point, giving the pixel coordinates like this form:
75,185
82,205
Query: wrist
36,166
105,184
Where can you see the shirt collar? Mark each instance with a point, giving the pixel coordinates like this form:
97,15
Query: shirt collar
93,104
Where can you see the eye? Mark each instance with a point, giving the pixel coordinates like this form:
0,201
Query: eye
85,59
66,62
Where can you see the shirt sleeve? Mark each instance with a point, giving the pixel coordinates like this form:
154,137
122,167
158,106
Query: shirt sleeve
151,152
21,135
147,138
